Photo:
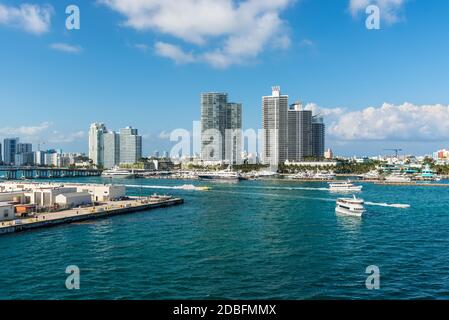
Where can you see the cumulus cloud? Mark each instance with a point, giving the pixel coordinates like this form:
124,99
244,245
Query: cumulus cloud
173,52
406,122
67,48
164,135
25,130
329,113
32,18
58,137
224,32
390,10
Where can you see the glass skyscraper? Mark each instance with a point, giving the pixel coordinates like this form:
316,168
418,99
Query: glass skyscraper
96,143
299,132
221,128
130,146
111,149
10,150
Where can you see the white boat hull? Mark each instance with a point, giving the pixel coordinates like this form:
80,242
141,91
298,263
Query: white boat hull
346,189
119,176
348,212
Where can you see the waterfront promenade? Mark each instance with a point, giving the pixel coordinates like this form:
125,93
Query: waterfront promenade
103,210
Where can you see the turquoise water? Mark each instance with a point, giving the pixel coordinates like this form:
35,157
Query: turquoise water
252,240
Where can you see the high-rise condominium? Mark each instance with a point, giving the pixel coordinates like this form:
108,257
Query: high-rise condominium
274,123
233,134
299,132
221,128
130,146
111,149
318,137
213,118
96,143
24,148
24,154
10,150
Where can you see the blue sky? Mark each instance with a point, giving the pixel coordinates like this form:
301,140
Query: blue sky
146,67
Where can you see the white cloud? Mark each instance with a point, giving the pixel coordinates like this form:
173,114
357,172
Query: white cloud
224,32
307,43
25,130
390,10
406,122
29,17
140,46
164,135
173,52
58,137
329,113
64,47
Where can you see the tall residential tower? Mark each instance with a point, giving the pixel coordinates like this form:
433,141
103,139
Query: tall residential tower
221,129
130,146
10,150
274,123
318,137
299,132
96,143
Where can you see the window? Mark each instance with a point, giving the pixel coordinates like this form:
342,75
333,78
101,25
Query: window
6,213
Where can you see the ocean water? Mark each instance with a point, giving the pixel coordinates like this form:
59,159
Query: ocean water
251,240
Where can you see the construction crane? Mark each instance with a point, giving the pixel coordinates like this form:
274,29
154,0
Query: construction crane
395,150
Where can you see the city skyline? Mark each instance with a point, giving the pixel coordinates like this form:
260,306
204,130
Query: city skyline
369,102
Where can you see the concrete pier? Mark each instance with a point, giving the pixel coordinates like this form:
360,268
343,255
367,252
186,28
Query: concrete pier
107,209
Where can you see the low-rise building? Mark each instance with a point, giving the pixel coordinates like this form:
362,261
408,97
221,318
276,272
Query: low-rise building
6,211
13,196
46,197
103,192
74,199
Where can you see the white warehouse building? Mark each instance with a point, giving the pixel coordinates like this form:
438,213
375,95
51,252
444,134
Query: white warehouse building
74,199
6,211
103,192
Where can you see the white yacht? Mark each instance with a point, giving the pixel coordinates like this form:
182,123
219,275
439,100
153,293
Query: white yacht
221,175
372,175
350,206
302,176
344,186
265,174
118,173
324,176
398,178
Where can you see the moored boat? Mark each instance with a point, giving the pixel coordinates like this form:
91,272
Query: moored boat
221,175
398,178
118,173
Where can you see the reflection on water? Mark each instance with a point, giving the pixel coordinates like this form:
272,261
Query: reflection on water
350,223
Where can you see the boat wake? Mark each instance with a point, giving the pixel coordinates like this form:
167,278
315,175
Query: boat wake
188,187
394,205
288,188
